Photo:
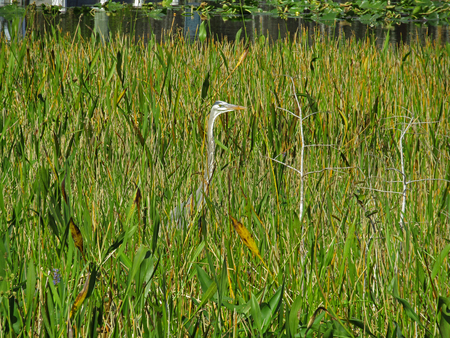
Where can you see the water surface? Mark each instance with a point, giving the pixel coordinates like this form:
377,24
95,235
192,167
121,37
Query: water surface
141,24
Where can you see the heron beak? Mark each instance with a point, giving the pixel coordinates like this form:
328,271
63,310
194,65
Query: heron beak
235,107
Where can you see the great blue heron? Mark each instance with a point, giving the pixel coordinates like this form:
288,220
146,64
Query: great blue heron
184,210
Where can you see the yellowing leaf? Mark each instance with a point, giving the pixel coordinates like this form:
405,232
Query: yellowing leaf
121,96
246,237
76,235
81,296
241,60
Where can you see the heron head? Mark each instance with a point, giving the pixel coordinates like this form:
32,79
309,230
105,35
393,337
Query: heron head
220,107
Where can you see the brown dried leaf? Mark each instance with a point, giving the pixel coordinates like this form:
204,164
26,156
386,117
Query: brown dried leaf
81,296
63,189
137,199
138,133
76,235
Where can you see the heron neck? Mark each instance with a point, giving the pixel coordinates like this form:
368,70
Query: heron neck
211,147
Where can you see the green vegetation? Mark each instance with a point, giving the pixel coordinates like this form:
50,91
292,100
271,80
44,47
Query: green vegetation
100,141
379,12
367,12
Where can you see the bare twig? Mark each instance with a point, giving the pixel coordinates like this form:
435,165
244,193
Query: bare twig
429,179
288,111
379,190
319,145
287,165
329,168
302,152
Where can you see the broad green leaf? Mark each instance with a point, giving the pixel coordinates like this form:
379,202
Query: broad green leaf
149,267
197,251
94,60
205,87
293,315
2,203
397,331
237,37
329,333
138,258
119,65
439,261
202,32
205,281
271,308
409,310
386,42
223,146
31,284
116,244
47,315
361,325
255,310
444,323
339,330
111,72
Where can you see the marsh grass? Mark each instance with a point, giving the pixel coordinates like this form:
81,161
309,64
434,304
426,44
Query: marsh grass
109,119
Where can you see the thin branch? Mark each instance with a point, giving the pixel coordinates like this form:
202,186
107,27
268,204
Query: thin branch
302,152
319,145
287,165
402,162
426,122
288,111
329,168
396,116
429,179
378,190
395,169
284,154
317,112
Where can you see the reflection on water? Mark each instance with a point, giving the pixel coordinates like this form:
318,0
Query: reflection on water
7,28
141,24
4,28
101,25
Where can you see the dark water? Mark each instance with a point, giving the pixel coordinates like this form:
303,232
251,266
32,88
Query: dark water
142,24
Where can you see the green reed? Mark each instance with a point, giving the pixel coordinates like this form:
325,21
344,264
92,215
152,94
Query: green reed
111,119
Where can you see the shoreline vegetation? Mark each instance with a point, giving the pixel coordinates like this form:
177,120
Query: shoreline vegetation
380,12
328,213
